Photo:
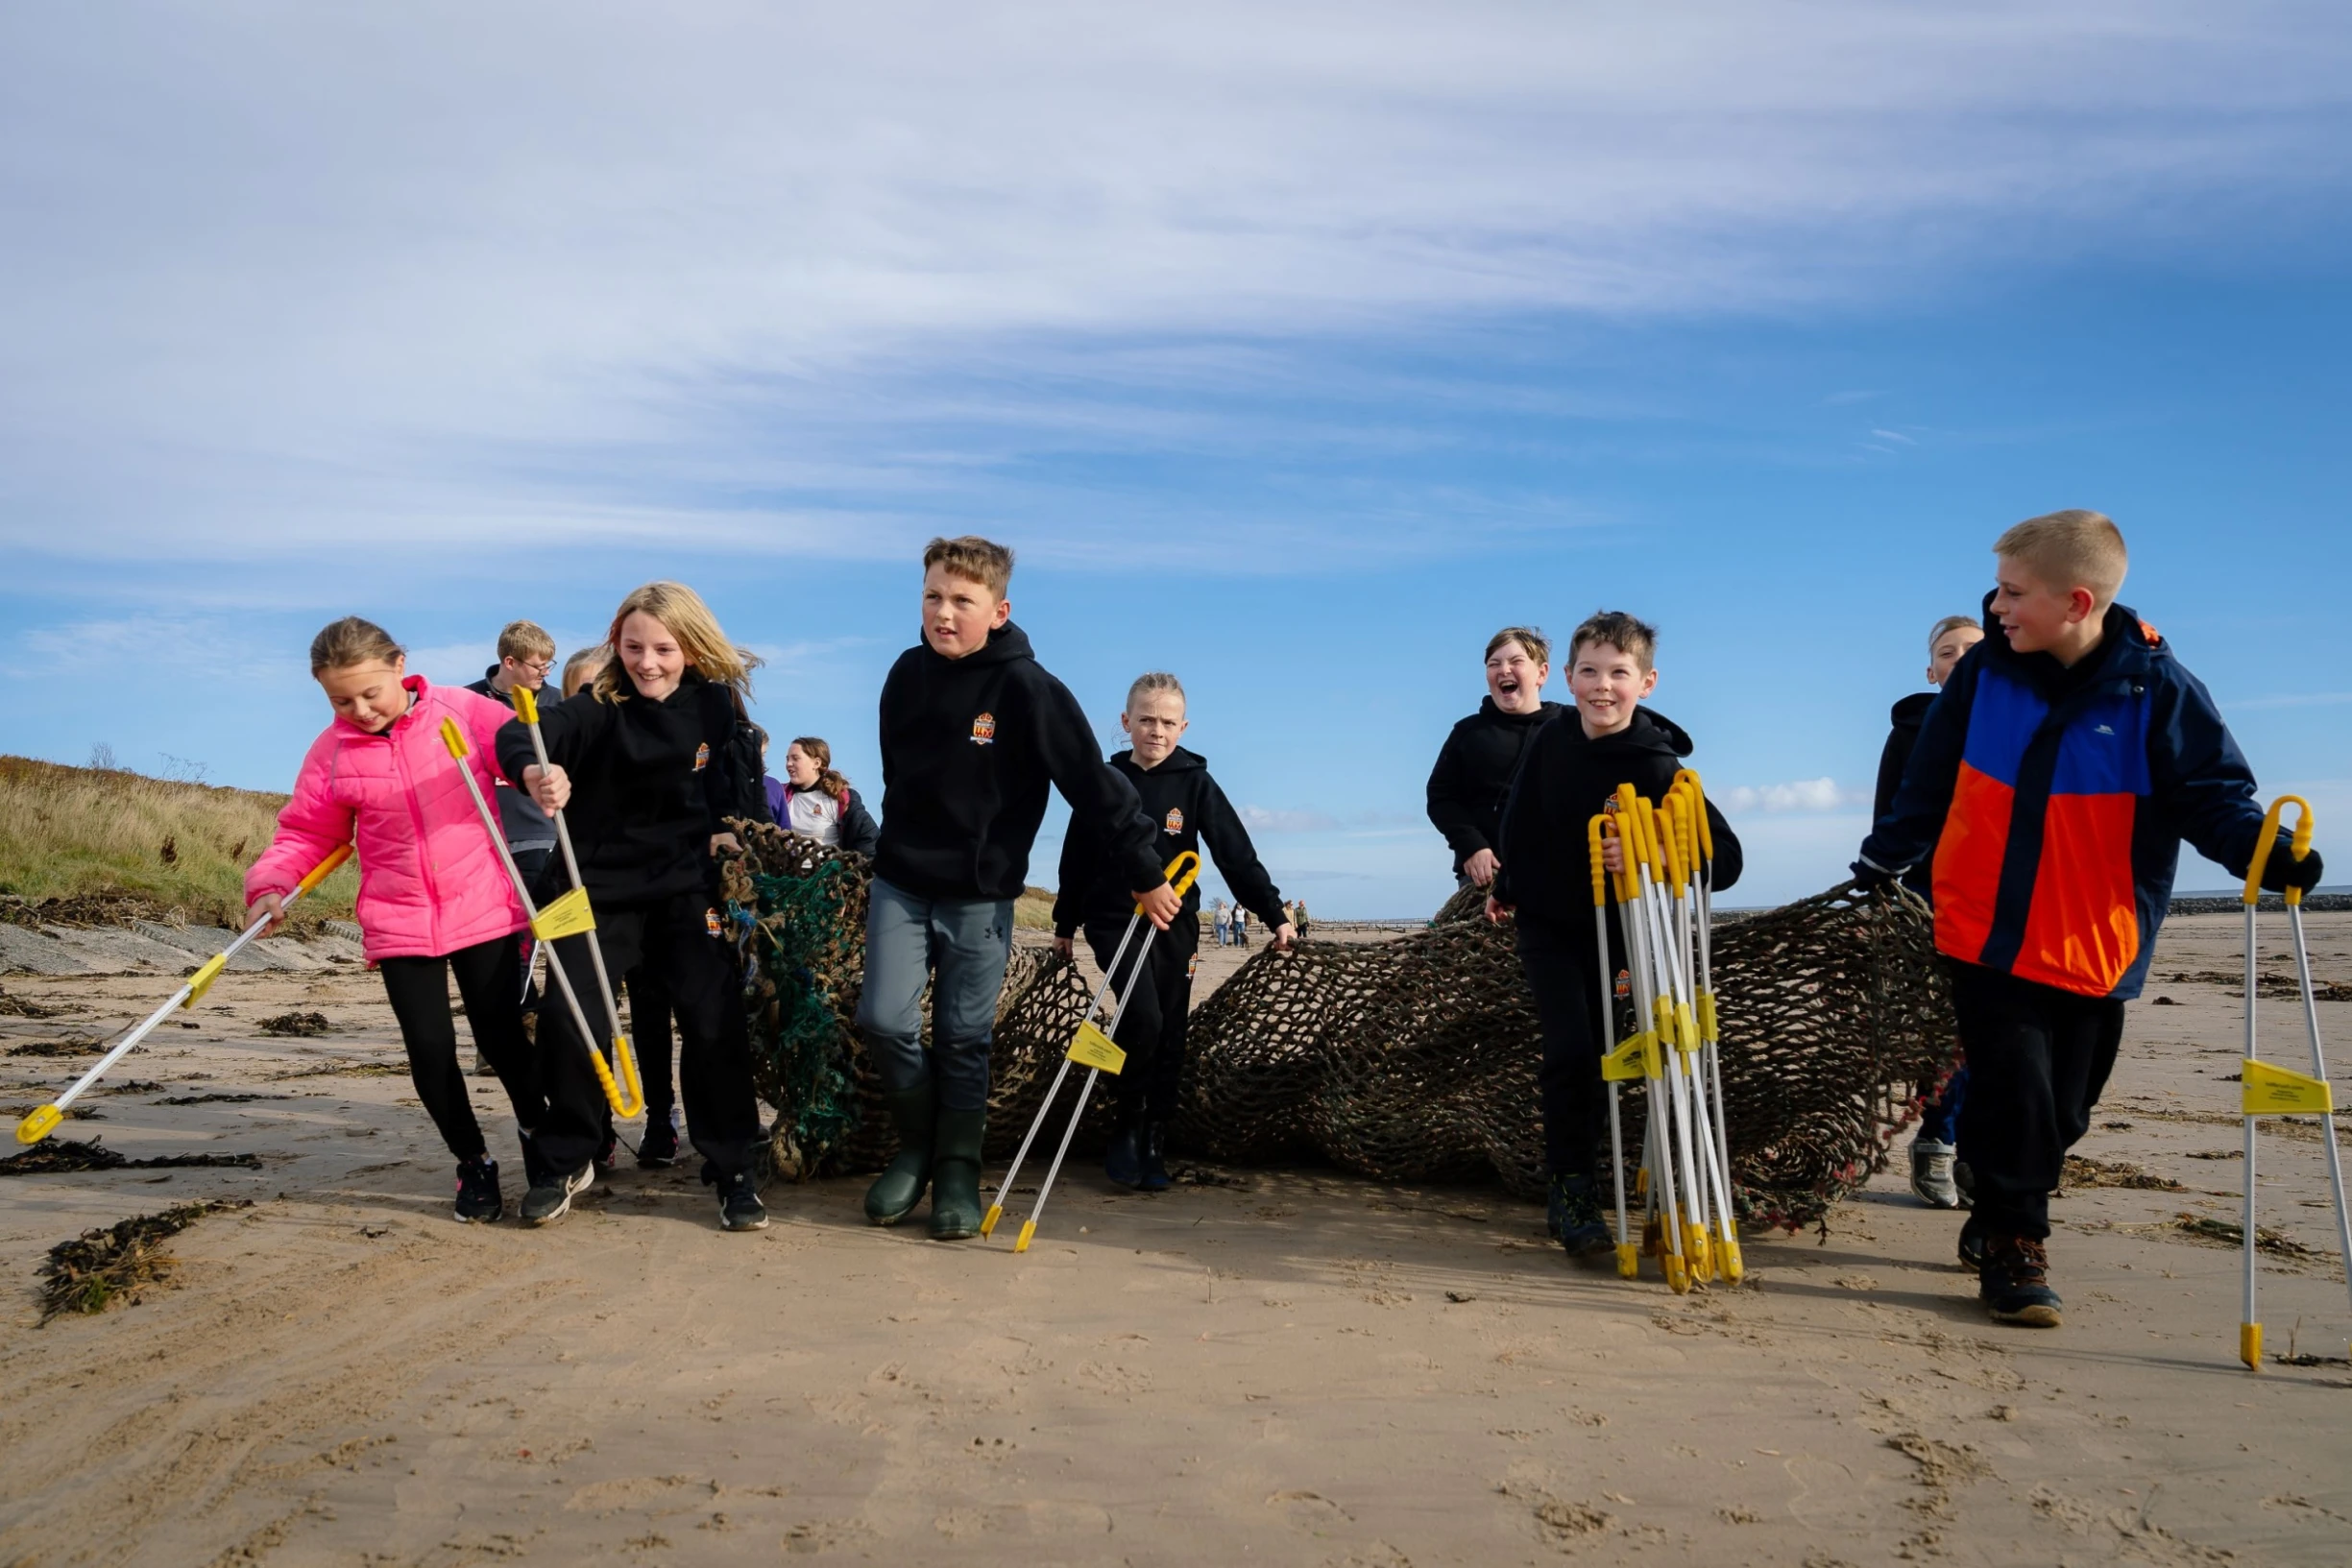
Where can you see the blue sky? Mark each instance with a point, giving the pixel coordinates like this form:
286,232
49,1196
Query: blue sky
1294,351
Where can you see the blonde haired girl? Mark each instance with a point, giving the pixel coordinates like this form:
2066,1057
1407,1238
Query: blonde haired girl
650,762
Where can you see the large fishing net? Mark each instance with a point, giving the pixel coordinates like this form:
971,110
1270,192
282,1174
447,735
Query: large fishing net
1412,1059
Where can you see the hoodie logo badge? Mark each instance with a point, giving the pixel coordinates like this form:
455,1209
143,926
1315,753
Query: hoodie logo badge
983,730
1176,819
702,757
710,921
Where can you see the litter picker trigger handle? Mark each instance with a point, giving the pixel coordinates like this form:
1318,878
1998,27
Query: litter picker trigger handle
526,704
1181,873
2298,846
1697,811
1593,831
453,738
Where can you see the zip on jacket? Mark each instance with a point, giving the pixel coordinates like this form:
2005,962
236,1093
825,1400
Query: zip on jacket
969,747
2054,803
1190,810
430,879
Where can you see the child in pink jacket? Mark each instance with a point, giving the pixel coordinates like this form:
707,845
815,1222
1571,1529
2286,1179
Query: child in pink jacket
434,898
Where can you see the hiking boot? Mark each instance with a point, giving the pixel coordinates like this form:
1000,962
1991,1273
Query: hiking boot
956,1209
551,1199
900,1187
1123,1161
1972,1245
2014,1281
1572,1212
738,1203
1156,1177
1931,1175
659,1148
477,1192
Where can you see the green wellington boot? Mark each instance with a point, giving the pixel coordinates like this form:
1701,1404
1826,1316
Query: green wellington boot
954,1176
900,1187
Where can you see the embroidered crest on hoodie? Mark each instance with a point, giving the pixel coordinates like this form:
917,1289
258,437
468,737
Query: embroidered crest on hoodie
1176,819
702,757
983,730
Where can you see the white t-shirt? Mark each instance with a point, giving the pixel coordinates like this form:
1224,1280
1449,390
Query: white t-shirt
815,815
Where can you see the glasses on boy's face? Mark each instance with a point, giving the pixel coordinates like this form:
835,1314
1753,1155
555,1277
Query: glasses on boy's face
536,667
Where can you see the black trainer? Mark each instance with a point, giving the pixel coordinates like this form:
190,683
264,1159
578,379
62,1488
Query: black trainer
2014,1281
551,1199
477,1192
659,1148
738,1203
1573,1212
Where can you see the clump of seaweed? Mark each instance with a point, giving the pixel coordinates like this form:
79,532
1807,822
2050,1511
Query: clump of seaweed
68,1045
118,1265
2087,1173
55,1156
298,1025
2266,1240
15,1007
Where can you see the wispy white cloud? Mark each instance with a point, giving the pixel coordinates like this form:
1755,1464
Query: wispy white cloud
807,278
2292,699
1798,795
1267,820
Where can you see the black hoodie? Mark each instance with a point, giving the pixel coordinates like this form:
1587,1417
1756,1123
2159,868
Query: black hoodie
524,824
1909,715
1184,803
968,746
650,784
1473,774
1563,780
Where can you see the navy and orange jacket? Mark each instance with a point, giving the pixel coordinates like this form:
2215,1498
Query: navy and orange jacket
2061,798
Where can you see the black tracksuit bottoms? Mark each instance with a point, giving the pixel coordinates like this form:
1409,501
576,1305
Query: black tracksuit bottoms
490,980
671,939
649,1033
2037,1059
1152,1031
1558,958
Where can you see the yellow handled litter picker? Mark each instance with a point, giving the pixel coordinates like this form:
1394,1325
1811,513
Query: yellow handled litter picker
568,916
41,1122
1091,1047
2275,1091
1619,1065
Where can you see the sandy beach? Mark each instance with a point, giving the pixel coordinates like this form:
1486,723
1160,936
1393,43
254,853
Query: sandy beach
1288,1366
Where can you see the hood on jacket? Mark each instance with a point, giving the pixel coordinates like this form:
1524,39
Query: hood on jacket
1910,711
1651,731
1178,761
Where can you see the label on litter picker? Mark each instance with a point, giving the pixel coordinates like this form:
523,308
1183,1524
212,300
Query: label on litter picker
1092,1048
2273,1091
568,916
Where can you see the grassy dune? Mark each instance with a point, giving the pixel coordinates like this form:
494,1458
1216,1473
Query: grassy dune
104,843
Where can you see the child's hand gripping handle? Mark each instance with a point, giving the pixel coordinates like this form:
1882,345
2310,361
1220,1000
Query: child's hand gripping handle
1181,873
2297,846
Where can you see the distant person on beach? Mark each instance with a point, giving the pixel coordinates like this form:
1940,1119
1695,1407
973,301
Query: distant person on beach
1475,765
434,901
814,802
974,734
650,760
1934,1152
1222,919
2056,775
1192,813
1571,770
1240,927
1298,916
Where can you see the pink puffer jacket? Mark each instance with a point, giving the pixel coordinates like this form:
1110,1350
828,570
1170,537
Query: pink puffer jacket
431,882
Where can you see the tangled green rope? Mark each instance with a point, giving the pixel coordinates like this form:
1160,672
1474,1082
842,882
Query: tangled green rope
790,931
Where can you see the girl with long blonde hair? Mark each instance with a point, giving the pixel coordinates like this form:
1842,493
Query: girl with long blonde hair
649,764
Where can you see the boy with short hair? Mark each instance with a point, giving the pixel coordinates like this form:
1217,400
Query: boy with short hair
1190,810
526,655
1573,769
2057,773
973,731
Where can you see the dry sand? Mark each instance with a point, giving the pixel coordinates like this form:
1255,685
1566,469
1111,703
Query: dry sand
1280,1366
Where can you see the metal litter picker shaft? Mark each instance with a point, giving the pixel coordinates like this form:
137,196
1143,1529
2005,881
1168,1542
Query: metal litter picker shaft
1093,1048
568,916
43,1120
2275,1091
